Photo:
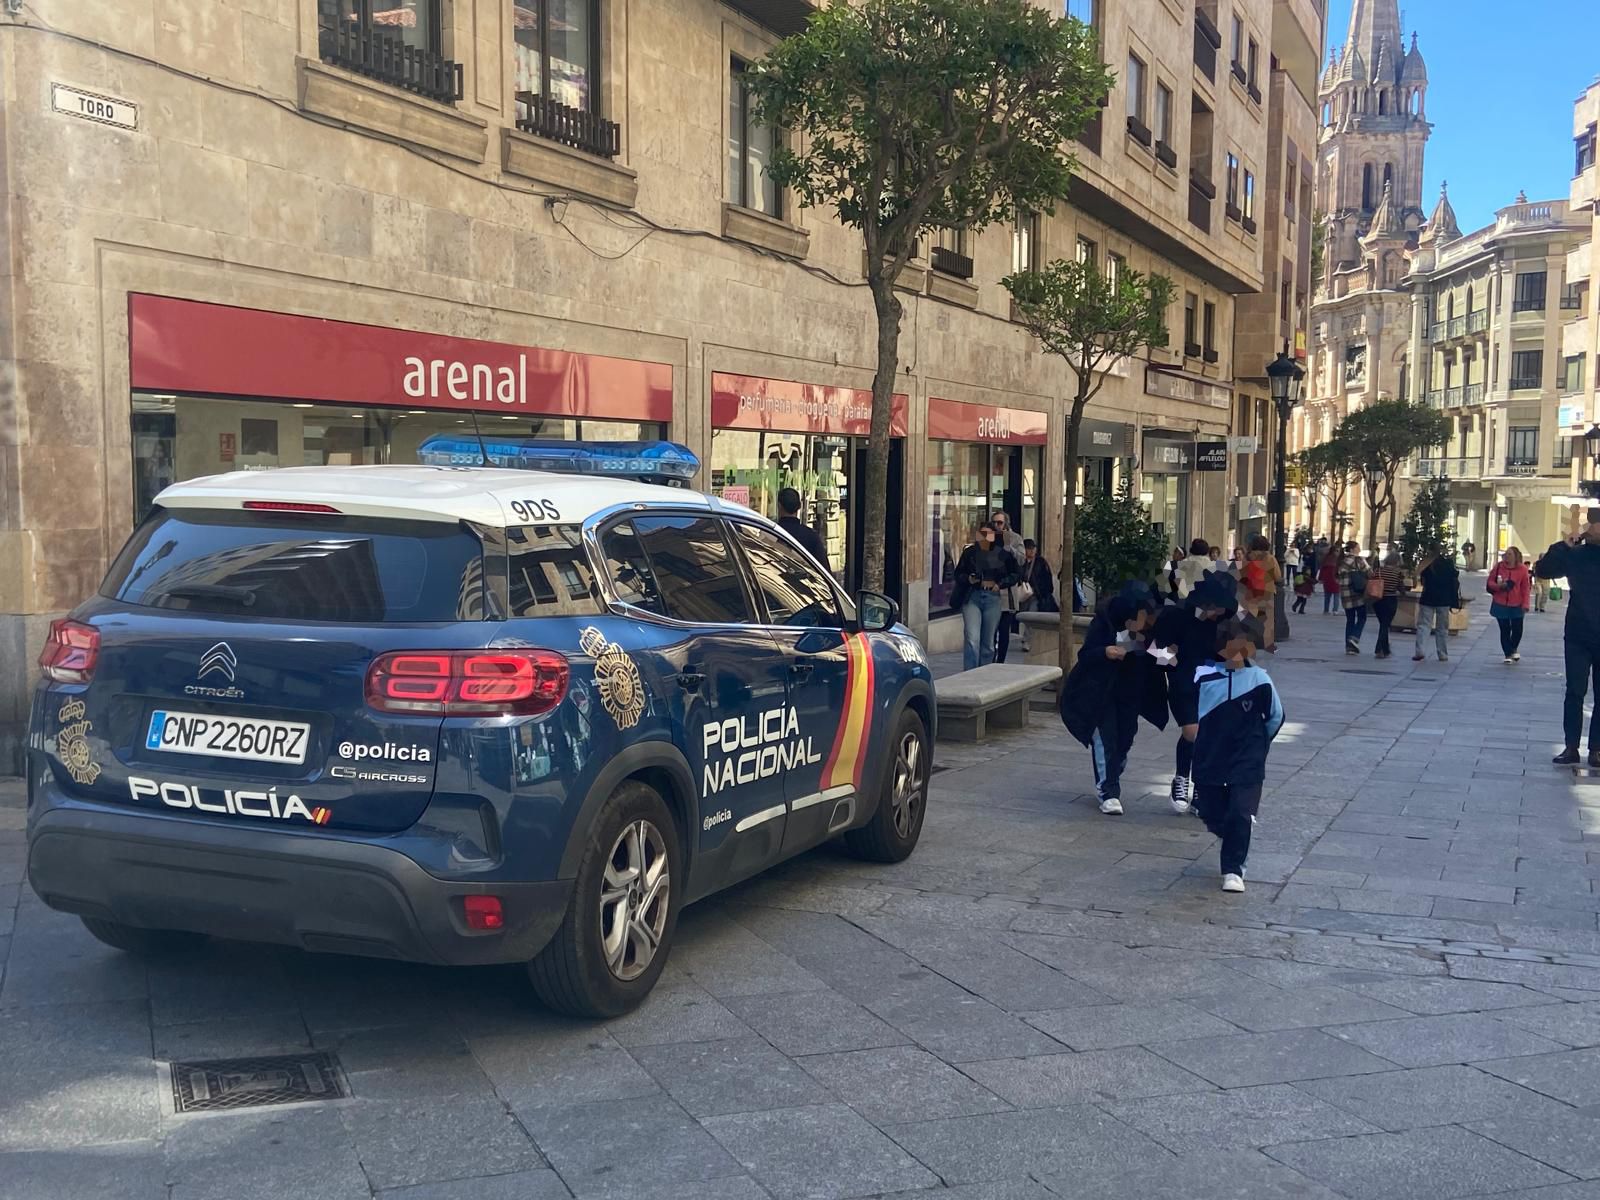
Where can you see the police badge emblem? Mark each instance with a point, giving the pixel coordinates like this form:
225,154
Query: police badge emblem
616,678
72,746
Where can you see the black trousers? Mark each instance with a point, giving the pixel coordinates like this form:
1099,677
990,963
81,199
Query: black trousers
1113,738
1226,809
1002,635
1384,610
1583,660
1510,634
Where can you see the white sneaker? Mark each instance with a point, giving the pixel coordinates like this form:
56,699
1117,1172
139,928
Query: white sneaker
1232,883
1181,796
1111,806
1508,660
1516,658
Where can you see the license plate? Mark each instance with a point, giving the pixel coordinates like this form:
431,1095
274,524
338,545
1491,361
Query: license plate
228,737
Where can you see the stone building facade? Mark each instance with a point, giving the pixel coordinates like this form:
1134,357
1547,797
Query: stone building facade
1374,129
234,224
1486,325
1579,411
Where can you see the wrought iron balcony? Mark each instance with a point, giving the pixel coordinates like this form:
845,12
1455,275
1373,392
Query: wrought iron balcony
1525,383
1527,304
1453,396
1434,397
1455,468
379,54
1436,331
1521,466
1474,394
1138,131
950,262
1479,321
1458,327
1167,155
575,127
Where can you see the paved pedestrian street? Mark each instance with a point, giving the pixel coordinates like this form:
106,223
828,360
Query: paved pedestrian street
1041,1001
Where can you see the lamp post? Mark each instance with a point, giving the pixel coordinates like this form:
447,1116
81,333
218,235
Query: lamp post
1284,375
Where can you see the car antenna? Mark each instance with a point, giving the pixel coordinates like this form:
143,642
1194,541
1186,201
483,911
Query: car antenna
482,449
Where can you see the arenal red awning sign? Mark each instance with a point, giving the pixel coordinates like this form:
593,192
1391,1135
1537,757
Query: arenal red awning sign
954,421
751,402
219,350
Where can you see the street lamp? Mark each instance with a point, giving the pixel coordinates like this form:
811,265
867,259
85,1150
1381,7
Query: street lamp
1284,375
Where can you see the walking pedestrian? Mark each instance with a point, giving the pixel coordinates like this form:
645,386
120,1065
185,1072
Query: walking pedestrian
1391,581
1577,559
1240,714
1541,594
982,571
1328,576
1511,585
1468,555
1190,632
1441,592
1115,682
789,521
1009,541
1261,576
1193,567
1353,577
1236,563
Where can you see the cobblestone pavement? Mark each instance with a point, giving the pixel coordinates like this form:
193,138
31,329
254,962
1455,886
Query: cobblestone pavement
1042,1001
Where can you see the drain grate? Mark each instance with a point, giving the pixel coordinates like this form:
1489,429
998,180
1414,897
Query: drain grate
1362,671
229,1083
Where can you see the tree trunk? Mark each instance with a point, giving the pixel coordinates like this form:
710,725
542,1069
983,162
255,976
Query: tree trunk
1069,525
1394,509
876,485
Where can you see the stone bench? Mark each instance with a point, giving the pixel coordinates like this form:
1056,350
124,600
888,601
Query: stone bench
997,693
1044,635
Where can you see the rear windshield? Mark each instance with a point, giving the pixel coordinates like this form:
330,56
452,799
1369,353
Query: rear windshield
361,570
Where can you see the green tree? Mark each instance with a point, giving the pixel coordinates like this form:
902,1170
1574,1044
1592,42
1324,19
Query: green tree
1119,542
1426,529
1091,320
1330,467
1380,438
909,116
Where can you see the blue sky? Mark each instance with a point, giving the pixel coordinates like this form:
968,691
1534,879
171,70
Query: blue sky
1501,81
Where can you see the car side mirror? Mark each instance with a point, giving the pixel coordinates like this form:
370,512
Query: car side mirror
876,612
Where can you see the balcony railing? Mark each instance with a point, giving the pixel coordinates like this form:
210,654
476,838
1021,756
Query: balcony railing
1528,304
1571,301
379,54
1521,466
1434,397
1456,468
1479,321
1525,383
1474,394
1458,327
1454,396
1167,155
1436,331
1201,196
575,127
1138,130
950,262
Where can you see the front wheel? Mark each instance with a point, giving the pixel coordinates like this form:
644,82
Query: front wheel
613,944
891,835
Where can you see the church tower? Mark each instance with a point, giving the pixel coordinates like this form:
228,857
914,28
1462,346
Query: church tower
1373,99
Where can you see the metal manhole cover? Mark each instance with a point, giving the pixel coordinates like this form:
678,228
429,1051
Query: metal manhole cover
230,1083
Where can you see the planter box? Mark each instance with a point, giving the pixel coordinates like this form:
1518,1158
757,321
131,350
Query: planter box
1405,616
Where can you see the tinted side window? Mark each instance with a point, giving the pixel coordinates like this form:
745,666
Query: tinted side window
549,572
631,577
796,592
695,569
363,570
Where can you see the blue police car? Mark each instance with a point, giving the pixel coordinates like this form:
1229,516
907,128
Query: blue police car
463,714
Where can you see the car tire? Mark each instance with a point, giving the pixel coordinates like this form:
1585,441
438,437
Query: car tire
891,834
627,895
133,940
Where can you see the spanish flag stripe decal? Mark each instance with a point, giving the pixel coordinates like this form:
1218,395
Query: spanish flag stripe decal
850,743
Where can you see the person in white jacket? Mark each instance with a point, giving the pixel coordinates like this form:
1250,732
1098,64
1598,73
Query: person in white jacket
1191,569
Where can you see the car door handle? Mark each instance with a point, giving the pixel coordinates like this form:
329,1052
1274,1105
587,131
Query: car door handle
802,669
691,681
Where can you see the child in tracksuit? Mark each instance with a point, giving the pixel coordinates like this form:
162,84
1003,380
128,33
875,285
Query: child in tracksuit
1115,682
1240,714
1190,631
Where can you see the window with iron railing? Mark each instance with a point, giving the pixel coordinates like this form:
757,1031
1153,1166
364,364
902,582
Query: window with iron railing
949,254
1527,370
1563,453
1529,296
397,42
1522,448
557,63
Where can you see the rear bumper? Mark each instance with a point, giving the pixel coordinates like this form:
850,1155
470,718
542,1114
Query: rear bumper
341,897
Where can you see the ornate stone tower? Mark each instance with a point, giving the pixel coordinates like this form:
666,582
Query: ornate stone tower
1369,195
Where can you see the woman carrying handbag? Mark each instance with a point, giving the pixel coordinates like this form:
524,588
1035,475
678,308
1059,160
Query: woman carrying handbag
1510,586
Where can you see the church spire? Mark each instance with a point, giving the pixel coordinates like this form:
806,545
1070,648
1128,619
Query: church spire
1386,220
1441,225
1375,37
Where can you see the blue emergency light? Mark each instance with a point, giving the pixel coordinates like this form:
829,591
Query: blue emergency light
646,462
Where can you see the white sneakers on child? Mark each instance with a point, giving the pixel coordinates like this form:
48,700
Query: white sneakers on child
1233,883
1111,806
1182,796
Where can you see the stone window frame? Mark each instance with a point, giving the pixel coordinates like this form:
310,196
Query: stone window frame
781,234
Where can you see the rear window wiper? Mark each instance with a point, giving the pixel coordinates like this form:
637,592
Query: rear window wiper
243,596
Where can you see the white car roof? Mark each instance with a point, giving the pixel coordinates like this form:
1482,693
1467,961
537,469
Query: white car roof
483,495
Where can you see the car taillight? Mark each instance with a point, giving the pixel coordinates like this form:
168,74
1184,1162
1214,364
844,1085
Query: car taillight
288,506
70,652
467,682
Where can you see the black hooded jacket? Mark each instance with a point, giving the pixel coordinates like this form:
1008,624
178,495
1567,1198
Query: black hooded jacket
1124,689
1182,629
1580,566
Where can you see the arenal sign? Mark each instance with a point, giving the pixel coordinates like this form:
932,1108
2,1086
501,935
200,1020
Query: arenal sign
955,421
753,402
219,350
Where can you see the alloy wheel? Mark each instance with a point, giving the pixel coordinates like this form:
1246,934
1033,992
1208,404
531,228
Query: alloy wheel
905,796
635,893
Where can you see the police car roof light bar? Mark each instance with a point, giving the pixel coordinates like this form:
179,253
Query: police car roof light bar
648,462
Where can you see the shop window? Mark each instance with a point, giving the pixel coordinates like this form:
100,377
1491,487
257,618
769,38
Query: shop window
694,569
399,42
793,589
968,482
750,145
751,466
